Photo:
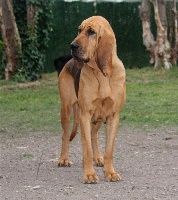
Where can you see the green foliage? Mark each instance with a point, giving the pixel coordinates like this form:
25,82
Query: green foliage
34,39
1,46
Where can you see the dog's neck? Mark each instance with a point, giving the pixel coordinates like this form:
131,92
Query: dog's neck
106,70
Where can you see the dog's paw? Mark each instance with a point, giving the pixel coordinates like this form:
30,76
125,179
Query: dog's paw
112,176
90,178
99,161
64,163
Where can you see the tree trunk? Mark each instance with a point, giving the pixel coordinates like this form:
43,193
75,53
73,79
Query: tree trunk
160,50
148,38
11,38
174,52
163,48
31,16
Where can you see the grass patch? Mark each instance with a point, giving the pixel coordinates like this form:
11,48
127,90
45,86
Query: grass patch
152,100
30,107
26,156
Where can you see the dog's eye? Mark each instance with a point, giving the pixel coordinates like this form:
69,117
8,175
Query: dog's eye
91,32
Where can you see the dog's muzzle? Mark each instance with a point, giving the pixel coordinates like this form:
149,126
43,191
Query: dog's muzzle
77,52
74,46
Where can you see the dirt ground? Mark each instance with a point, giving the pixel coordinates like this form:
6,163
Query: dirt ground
147,161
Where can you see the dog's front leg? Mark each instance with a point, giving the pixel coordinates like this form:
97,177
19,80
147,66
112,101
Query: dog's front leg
111,130
89,172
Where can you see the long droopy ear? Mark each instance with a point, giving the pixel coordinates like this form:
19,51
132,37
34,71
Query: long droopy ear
106,43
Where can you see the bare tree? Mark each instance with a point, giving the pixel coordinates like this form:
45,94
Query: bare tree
10,37
174,50
161,51
148,38
163,48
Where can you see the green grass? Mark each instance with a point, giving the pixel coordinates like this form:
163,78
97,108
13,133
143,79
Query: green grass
152,100
26,156
30,107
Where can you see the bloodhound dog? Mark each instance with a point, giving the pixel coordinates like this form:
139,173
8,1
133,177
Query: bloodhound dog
92,85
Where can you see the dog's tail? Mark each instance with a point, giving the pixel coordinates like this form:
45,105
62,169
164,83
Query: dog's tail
76,121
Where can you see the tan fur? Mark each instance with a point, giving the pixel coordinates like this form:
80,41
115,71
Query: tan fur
99,98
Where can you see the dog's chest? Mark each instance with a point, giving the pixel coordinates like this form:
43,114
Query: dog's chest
103,86
95,95
102,108
94,85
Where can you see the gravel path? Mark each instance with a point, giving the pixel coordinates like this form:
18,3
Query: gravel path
146,160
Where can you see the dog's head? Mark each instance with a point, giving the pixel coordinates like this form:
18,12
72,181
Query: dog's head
95,40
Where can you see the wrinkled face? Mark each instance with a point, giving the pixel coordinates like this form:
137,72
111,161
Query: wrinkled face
96,40
85,44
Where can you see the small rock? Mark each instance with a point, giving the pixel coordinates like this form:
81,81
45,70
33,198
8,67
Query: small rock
36,187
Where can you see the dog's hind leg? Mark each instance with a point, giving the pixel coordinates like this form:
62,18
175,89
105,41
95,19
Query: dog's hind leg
76,121
97,156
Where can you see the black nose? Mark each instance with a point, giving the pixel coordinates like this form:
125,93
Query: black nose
74,46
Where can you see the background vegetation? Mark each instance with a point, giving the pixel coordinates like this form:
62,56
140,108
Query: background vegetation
56,25
34,23
35,107
123,17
